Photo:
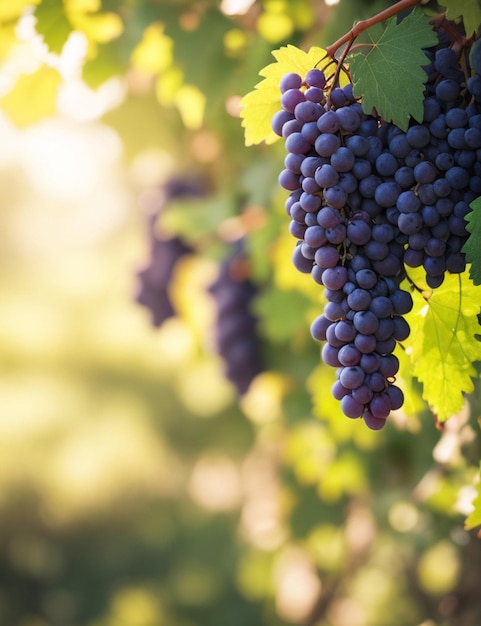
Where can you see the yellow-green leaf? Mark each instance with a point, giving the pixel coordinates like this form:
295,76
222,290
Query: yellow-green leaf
99,27
7,39
190,102
154,52
474,518
259,105
83,6
442,344
33,97
12,9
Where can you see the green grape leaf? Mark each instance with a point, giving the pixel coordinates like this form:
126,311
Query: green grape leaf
389,77
442,346
194,218
52,24
282,314
104,65
471,248
259,105
469,10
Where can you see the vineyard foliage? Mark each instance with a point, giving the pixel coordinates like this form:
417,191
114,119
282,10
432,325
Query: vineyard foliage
174,454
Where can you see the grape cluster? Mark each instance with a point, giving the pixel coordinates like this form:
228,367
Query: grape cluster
235,328
154,279
368,199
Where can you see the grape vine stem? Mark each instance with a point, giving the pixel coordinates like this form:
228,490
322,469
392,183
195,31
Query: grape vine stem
363,25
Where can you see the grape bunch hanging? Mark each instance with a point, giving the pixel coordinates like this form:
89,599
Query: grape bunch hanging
367,201
236,335
154,278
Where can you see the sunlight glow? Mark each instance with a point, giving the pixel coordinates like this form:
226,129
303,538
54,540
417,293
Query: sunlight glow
297,585
438,568
261,519
203,389
347,612
403,516
215,483
235,7
77,101
263,401
466,496
135,606
63,159
105,457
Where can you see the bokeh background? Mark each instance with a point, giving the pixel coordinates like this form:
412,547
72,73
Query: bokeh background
138,487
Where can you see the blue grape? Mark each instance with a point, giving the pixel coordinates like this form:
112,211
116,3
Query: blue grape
335,278
444,161
335,196
358,145
358,232
348,355
326,176
387,193
329,122
280,118
342,160
456,118
300,262
424,172
291,80
307,111
310,164
408,202
349,119
319,327
326,144
404,177
365,322
291,98
338,97
399,146
410,223
386,164
457,177
288,180
361,168
328,217
310,132
351,407
327,256
310,202
352,377
418,136
448,90
316,78
296,143
402,302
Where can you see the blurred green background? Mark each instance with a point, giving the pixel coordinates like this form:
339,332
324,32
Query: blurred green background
136,487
